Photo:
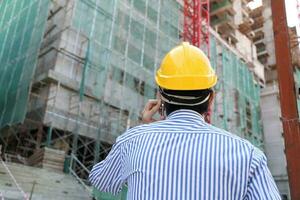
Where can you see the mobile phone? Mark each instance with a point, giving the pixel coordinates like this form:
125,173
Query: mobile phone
162,109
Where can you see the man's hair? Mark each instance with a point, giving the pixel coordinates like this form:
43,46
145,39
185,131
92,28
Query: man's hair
201,108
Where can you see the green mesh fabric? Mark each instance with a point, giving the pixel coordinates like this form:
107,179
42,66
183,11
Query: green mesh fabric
22,25
297,80
125,42
236,106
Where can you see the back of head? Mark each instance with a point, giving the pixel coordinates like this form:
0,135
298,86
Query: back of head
185,79
196,100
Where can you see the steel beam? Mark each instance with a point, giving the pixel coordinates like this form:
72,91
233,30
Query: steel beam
289,112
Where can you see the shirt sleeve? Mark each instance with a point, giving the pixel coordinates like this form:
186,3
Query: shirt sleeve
261,185
106,176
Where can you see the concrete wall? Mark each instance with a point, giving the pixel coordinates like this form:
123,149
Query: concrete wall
246,46
259,72
274,142
268,31
238,17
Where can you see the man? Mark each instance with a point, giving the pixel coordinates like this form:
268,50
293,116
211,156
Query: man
183,157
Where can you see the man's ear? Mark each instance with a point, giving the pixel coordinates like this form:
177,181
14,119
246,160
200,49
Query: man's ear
211,99
207,115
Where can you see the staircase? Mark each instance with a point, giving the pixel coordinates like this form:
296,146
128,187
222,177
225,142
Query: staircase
44,184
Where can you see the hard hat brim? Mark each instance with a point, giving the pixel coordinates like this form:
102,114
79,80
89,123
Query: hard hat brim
186,83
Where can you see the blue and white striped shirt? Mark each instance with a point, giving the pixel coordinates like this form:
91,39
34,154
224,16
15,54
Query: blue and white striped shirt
184,158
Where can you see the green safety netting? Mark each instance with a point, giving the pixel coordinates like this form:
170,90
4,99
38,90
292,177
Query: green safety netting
124,41
131,38
22,24
297,82
236,107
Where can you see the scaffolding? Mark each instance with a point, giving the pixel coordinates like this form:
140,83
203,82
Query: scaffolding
90,68
94,74
237,102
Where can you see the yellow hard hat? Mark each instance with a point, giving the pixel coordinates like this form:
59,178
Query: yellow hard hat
185,67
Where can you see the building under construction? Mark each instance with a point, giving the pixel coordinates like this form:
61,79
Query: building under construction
75,74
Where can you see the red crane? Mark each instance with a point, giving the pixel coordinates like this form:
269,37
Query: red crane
196,28
196,23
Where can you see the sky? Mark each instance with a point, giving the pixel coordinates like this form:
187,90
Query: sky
292,13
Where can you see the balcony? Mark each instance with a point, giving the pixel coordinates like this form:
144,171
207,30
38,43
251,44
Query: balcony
258,36
262,52
259,31
232,38
259,42
245,26
250,34
219,7
221,19
257,12
245,12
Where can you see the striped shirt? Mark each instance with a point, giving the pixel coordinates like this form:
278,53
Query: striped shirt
184,158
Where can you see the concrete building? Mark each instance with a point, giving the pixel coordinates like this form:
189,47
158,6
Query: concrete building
234,21
270,104
92,66
256,26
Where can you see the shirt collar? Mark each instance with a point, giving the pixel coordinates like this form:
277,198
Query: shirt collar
185,114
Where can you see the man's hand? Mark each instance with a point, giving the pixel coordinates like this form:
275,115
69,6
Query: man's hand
151,108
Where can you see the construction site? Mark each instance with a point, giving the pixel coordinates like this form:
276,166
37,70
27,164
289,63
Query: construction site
76,74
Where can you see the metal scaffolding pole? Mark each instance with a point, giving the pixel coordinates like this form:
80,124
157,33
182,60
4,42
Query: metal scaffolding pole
290,120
